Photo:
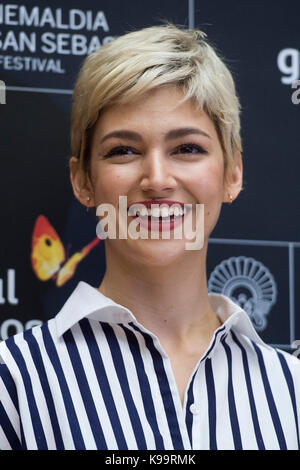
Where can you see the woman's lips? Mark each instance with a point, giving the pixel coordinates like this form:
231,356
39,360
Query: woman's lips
162,222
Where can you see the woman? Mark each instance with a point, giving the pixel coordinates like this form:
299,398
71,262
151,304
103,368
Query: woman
150,360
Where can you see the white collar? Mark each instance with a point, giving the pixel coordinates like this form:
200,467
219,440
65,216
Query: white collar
87,302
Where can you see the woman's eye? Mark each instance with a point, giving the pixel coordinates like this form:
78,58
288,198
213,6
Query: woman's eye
123,151
119,151
190,148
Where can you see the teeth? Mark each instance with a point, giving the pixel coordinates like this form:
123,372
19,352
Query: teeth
144,211
154,212
140,212
165,212
161,212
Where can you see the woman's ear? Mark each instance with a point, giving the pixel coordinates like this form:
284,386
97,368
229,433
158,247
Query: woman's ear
234,179
81,184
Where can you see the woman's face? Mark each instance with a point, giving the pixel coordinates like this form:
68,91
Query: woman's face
151,149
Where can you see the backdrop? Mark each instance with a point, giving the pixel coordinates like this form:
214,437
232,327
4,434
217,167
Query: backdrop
254,252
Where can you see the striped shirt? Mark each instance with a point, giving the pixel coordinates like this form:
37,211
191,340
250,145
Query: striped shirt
94,378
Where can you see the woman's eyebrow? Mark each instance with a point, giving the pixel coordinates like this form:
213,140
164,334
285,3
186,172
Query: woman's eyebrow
183,131
122,133
172,134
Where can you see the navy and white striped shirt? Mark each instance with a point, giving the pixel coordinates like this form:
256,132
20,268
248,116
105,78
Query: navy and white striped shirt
94,378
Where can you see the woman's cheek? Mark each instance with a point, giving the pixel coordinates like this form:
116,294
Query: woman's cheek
208,189
109,187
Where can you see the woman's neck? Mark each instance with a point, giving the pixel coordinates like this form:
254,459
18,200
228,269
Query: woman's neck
171,301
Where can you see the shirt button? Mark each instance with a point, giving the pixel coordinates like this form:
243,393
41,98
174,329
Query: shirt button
194,410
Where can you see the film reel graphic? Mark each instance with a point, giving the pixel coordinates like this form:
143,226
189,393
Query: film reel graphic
248,283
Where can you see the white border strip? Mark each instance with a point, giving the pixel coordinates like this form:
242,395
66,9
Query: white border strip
40,90
292,291
191,14
233,241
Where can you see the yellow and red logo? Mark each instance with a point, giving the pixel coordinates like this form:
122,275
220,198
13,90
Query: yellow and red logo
48,257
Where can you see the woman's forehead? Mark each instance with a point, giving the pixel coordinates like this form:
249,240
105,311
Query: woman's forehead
159,110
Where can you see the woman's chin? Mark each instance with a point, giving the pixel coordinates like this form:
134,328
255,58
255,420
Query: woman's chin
157,252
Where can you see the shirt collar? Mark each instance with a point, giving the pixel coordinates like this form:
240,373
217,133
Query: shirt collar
87,302
234,317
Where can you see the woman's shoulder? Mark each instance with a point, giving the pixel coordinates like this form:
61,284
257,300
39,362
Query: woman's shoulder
277,365
290,361
267,353
15,348
267,360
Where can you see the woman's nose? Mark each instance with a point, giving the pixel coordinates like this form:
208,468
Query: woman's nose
157,174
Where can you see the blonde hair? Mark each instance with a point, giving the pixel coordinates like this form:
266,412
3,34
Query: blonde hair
127,67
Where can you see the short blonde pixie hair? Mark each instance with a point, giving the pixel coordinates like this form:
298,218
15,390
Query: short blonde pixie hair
125,68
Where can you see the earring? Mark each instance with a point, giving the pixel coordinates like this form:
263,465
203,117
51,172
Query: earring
87,207
230,199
